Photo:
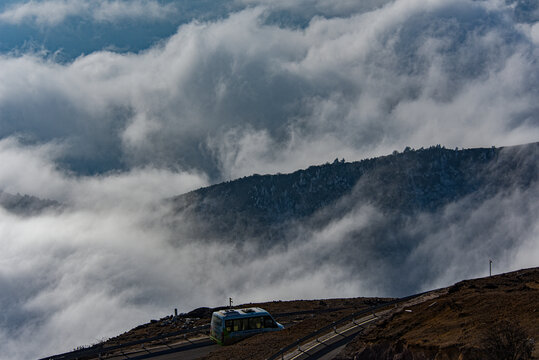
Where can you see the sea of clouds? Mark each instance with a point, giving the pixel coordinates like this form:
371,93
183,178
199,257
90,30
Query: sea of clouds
271,86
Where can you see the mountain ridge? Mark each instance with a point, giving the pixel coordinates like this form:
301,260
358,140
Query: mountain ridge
26,205
411,181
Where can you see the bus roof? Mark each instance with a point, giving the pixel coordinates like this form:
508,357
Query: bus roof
241,313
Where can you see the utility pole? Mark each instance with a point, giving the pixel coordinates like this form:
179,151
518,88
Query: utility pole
490,267
230,302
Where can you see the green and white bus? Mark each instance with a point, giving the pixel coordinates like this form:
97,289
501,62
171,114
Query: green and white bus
230,326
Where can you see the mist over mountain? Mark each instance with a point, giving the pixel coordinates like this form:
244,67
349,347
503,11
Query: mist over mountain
406,183
377,216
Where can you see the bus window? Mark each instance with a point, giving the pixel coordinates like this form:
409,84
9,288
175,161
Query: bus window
228,325
237,325
269,323
255,323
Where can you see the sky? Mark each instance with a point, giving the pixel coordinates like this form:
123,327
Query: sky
110,106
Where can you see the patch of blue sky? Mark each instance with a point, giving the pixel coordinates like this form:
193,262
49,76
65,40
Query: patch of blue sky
74,30
80,33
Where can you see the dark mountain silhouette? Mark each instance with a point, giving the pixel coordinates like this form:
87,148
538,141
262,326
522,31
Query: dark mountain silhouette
26,205
406,183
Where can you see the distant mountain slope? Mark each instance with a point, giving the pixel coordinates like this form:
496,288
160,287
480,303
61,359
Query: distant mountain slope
413,181
25,204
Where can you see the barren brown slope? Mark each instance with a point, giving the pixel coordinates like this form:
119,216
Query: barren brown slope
453,326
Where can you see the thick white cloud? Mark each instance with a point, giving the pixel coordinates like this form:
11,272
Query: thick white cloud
534,33
108,260
31,169
228,98
53,12
406,73
307,8
88,262
458,243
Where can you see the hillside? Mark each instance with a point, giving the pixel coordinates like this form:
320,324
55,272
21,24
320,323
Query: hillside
450,327
407,183
392,224
389,226
455,325
448,323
